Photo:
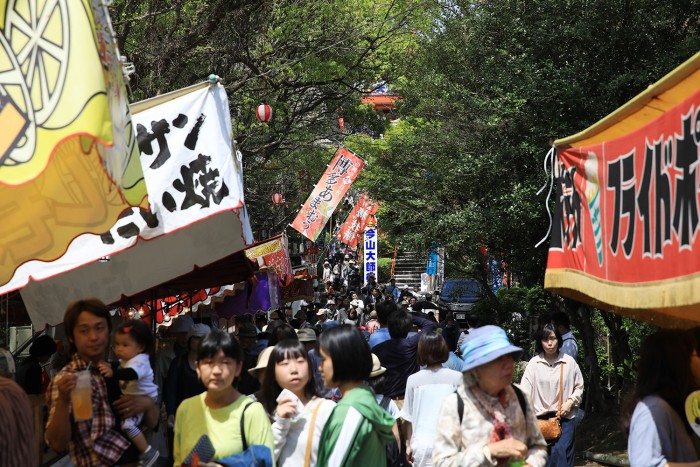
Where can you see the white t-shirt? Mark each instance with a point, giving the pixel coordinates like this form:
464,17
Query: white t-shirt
425,393
292,434
144,385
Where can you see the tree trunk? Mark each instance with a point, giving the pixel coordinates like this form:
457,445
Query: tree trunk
581,316
620,353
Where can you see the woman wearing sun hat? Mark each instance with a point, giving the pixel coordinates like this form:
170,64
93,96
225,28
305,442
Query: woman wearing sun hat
495,427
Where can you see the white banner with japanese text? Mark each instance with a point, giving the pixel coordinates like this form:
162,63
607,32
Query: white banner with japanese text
370,253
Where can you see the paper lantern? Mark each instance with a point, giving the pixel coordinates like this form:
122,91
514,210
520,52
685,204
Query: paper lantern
264,113
277,198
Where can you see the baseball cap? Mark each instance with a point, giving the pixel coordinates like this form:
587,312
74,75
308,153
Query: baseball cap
247,330
181,323
306,335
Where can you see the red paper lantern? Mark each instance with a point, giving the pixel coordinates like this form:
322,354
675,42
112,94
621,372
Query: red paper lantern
277,198
264,113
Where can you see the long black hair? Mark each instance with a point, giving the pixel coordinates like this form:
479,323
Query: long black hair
286,349
663,370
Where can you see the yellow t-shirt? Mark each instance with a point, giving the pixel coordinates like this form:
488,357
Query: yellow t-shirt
194,419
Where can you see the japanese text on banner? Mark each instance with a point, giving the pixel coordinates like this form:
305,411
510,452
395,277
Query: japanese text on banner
327,193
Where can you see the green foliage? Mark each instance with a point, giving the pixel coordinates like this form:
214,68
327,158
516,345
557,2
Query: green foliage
492,84
384,266
309,59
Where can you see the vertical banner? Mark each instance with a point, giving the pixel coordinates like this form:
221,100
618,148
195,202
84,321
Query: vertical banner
356,222
370,252
330,189
273,254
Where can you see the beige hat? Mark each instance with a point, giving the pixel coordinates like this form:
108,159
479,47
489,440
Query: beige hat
377,368
306,335
263,359
321,312
373,314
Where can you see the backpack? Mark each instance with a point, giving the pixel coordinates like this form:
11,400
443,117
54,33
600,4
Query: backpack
518,392
393,453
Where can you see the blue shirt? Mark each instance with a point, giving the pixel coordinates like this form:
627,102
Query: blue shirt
454,362
569,346
378,336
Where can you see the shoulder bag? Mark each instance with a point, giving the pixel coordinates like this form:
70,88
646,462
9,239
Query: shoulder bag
551,426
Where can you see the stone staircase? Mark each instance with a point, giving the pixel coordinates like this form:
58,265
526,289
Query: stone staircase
409,267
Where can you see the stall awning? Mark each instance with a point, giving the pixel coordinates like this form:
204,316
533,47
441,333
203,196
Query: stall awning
627,213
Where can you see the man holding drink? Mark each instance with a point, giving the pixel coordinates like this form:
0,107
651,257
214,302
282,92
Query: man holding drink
80,416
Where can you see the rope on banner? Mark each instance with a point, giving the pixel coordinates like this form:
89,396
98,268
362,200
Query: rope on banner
549,158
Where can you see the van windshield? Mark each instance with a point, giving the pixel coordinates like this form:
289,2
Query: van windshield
461,289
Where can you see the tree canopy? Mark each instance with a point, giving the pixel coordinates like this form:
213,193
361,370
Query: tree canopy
490,86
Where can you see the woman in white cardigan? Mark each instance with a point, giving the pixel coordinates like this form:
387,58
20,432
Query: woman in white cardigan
542,382
289,397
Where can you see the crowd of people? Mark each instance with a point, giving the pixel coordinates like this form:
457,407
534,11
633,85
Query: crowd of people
363,376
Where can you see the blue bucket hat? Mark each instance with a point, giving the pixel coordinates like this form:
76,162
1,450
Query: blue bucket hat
485,344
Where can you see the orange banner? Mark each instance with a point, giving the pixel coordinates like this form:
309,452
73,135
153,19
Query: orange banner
356,222
335,182
627,216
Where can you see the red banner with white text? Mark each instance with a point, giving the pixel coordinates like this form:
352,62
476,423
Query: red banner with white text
355,224
330,189
627,217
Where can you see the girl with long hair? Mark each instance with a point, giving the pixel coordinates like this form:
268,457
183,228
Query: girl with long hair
289,395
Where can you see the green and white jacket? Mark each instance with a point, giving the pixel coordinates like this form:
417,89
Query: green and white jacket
357,432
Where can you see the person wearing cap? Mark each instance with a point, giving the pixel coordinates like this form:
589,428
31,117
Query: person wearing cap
494,426
372,281
182,381
258,371
247,335
327,274
331,307
310,341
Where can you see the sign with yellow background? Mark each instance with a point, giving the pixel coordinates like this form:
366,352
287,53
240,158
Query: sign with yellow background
68,159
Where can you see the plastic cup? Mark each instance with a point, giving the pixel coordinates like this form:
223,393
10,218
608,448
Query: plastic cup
81,396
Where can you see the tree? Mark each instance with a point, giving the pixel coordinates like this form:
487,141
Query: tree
308,59
492,85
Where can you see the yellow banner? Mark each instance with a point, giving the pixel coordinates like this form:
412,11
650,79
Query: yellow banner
68,159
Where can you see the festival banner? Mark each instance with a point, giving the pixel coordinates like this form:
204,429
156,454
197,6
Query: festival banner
68,157
330,189
273,254
370,252
625,233
190,172
356,221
